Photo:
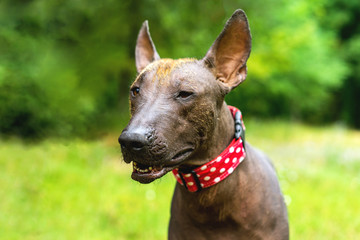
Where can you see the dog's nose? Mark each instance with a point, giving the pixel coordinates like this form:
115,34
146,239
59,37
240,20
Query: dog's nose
134,141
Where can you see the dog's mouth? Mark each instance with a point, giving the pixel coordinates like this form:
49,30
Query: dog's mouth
148,173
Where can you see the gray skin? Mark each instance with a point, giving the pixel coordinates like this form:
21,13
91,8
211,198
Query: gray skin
180,120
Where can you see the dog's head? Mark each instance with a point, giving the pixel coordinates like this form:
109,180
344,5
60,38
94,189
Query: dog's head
176,104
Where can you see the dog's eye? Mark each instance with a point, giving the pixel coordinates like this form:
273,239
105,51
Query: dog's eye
135,91
184,94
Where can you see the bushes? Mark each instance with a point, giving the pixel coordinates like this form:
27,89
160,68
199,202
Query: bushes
57,72
65,64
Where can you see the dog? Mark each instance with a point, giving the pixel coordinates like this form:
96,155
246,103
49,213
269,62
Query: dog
226,189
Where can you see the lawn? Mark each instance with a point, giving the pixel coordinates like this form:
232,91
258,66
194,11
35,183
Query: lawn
78,189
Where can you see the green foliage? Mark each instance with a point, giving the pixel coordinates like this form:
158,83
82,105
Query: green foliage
65,66
60,66
293,67
80,190
344,17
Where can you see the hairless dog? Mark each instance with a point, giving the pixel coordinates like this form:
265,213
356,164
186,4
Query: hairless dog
226,189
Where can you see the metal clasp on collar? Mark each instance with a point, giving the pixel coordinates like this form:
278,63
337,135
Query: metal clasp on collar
239,130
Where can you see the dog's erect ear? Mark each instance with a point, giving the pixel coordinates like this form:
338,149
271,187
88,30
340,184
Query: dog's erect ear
230,51
145,51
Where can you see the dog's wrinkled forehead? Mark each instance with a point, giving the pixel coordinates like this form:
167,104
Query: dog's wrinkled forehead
163,68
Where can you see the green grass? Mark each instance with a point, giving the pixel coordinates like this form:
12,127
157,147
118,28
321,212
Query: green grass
61,189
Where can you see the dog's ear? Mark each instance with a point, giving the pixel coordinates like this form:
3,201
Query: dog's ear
145,51
230,51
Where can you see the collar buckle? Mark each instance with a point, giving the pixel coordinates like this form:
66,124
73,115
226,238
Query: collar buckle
194,175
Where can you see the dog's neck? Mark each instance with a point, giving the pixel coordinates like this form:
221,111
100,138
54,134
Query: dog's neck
214,197
212,205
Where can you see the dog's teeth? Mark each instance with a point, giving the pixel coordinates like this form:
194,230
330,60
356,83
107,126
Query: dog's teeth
142,170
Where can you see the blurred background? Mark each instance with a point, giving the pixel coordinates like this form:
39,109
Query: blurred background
65,71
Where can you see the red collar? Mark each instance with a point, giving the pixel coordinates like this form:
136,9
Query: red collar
219,168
